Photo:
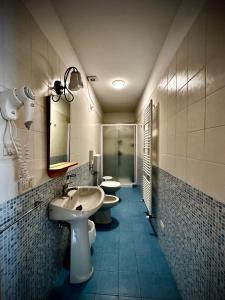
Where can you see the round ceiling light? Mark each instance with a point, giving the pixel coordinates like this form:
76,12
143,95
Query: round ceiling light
118,84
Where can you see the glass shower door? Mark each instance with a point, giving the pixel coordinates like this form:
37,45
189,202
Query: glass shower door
119,152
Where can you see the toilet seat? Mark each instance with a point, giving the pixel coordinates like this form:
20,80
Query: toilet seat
107,178
110,187
110,184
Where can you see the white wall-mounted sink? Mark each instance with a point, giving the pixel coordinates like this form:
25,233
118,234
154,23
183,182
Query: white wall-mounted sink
76,210
90,198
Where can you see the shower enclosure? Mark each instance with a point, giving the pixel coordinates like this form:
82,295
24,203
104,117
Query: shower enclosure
119,152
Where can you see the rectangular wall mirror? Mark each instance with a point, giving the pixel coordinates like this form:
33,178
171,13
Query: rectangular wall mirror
58,123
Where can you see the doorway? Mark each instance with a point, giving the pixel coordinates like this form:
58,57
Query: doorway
119,152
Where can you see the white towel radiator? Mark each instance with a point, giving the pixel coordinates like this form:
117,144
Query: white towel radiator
147,158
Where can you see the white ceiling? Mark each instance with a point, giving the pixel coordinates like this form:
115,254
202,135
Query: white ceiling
117,39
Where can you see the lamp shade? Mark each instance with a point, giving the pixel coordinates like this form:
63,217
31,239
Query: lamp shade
75,81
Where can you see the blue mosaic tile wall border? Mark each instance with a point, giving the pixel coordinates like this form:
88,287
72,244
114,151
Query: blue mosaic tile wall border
33,249
193,239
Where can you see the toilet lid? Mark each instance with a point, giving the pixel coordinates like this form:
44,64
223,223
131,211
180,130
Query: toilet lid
110,183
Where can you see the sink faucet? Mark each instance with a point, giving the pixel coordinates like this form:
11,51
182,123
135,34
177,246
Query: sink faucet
67,188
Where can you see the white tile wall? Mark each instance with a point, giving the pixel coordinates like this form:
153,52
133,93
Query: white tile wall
119,117
196,87
196,45
215,144
195,173
181,145
181,168
215,109
196,116
215,46
172,69
194,96
182,60
182,98
195,146
27,58
213,180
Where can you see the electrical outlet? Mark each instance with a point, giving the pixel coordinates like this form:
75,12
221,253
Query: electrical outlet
24,185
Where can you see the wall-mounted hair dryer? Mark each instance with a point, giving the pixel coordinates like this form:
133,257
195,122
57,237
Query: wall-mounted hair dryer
11,100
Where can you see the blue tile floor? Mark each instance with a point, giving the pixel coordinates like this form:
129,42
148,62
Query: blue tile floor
128,262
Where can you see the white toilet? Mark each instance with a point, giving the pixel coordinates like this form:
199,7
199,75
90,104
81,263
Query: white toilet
103,215
110,186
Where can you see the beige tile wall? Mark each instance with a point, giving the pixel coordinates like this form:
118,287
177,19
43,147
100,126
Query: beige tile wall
119,117
191,97
27,58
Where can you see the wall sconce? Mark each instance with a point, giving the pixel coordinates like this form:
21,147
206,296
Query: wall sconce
75,83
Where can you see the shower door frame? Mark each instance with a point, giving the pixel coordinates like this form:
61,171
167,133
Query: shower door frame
135,150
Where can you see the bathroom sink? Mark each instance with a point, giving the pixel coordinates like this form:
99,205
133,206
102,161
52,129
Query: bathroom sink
78,205
75,209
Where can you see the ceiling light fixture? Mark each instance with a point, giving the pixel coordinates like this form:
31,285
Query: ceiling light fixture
118,84
75,83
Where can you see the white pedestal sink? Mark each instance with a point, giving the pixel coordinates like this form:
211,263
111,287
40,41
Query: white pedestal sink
88,199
